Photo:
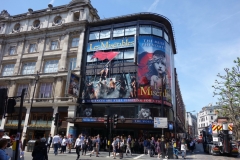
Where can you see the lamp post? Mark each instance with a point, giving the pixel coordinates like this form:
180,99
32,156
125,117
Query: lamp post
188,121
36,76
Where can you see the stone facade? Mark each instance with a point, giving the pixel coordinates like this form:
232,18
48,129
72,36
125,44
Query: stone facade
49,41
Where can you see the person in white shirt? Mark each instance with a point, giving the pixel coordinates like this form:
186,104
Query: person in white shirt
78,145
64,144
56,140
70,142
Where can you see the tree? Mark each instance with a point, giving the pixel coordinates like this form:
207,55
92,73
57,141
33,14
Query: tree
227,89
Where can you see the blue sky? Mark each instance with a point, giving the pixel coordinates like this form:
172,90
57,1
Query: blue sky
207,35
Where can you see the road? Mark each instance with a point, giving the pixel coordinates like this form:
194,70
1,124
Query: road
197,155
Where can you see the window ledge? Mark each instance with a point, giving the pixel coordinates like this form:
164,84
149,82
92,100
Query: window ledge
30,53
59,49
7,55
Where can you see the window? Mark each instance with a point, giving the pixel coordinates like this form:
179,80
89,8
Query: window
1,87
166,37
130,30
17,27
45,90
36,23
72,63
105,34
211,117
145,30
94,36
76,16
157,31
119,56
118,32
28,68
129,54
8,70
90,59
32,48
12,50
51,66
54,45
20,88
206,118
75,42
58,20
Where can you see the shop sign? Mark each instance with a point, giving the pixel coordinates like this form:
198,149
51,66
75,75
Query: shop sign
142,121
92,119
110,44
160,122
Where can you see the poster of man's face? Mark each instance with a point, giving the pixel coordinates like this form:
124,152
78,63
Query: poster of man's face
87,112
113,86
73,88
144,113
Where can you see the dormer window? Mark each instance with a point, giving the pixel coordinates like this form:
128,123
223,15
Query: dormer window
17,27
76,16
36,23
58,20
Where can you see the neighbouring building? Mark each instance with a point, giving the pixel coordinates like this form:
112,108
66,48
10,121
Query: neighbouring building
192,129
205,117
51,42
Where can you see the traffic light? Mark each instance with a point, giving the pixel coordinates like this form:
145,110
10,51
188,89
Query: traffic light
115,119
10,106
59,122
56,119
106,120
3,98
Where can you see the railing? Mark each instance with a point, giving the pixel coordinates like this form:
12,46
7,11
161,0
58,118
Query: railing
51,99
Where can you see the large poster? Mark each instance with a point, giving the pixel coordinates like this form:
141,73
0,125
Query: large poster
105,86
73,85
154,69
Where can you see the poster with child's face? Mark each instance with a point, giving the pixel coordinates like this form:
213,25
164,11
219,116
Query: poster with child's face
73,88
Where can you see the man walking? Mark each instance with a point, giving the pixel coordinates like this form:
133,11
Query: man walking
70,142
49,142
78,145
56,141
129,145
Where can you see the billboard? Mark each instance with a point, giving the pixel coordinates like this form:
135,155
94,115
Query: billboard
154,69
73,85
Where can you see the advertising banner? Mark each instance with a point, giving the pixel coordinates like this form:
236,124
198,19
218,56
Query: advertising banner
110,44
73,85
154,69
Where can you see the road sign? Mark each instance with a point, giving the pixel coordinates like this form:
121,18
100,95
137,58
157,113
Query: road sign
214,127
220,127
230,126
160,122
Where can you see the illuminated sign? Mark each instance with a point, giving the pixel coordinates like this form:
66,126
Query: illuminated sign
110,44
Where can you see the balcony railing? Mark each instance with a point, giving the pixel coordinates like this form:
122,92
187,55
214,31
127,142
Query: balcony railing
50,100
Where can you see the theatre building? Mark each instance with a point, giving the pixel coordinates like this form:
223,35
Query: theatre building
128,70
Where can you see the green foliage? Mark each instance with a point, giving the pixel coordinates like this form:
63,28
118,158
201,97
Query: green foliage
227,89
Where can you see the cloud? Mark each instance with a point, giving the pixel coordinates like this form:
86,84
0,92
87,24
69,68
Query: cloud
153,6
51,2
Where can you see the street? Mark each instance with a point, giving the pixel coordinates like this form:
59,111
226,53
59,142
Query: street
198,155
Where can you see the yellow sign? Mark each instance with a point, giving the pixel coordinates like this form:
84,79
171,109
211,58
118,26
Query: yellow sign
220,127
214,127
230,125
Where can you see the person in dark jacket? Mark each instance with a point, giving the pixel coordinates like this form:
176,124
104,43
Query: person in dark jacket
40,150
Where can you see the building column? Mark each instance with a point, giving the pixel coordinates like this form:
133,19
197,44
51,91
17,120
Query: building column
55,110
12,89
4,120
80,50
62,65
58,88
19,57
24,132
71,113
41,46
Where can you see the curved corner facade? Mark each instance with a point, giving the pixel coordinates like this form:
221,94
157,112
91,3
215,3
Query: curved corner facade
128,70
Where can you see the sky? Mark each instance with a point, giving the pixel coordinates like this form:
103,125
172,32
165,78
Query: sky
207,36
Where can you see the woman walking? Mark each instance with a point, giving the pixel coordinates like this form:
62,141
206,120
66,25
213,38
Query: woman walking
3,145
158,147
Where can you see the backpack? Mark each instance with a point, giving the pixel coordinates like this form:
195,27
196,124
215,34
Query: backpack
39,153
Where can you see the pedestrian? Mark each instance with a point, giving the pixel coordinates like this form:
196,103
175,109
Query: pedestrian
64,144
163,147
152,146
192,146
49,142
56,141
3,145
84,147
183,148
129,140
78,146
95,147
145,146
175,148
40,150
70,143
121,147
98,144
89,143
158,148
114,148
